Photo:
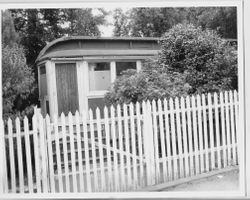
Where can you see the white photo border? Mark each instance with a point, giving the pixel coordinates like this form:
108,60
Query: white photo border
244,92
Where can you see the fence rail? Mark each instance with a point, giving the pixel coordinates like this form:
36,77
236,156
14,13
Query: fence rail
132,147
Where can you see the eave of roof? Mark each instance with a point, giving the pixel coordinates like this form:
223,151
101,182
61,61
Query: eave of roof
87,53
40,56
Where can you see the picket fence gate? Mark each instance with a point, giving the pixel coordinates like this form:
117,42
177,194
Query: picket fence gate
132,147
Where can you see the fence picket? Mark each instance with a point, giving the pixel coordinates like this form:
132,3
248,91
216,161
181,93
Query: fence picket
79,152
93,150
163,147
128,166
204,111
217,130
149,134
190,136
107,137
173,137
231,102
86,153
145,142
50,155
114,146
43,149
156,148
134,158
168,139
58,154
20,156
179,138
140,147
65,153
196,150
37,154
236,104
185,141
11,156
211,131
228,130
223,133
28,154
200,134
72,152
100,147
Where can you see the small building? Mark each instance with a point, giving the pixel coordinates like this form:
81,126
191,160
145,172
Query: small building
74,73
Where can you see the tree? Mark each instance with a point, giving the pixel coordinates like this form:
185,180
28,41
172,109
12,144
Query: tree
221,19
209,62
153,22
9,35
121,23
83,21
17,77
190,61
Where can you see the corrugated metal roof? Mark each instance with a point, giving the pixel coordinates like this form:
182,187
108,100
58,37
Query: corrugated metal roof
41,54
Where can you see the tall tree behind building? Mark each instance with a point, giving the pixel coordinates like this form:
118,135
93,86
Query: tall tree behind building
154,22
121,23
17,76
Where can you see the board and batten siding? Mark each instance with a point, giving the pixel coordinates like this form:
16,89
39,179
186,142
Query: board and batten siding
67,88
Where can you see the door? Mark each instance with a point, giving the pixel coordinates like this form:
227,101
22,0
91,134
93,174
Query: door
67,90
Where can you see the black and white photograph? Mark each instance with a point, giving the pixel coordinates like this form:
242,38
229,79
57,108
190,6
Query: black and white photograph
129,99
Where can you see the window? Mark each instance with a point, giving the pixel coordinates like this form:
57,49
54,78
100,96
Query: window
99,76
123,66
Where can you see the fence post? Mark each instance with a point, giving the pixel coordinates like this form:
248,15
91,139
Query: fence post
43,153
148,143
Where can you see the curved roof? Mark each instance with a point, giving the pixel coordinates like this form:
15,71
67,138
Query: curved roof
75,46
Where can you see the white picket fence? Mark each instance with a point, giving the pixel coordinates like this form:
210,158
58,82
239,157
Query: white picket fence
132,147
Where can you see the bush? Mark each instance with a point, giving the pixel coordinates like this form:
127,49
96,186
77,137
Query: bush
208,61
190,61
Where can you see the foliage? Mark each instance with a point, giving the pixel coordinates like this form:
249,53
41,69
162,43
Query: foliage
147,22
9,35
17,77
221,19
153,22
83,22
191,60
17,80
209,62
148,84
121,23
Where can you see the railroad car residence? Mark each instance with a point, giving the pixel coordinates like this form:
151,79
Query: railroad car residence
75,72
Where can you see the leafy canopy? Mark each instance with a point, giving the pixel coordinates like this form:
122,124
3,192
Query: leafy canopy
154,22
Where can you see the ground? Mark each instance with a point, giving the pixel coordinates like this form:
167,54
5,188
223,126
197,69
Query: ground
225,181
